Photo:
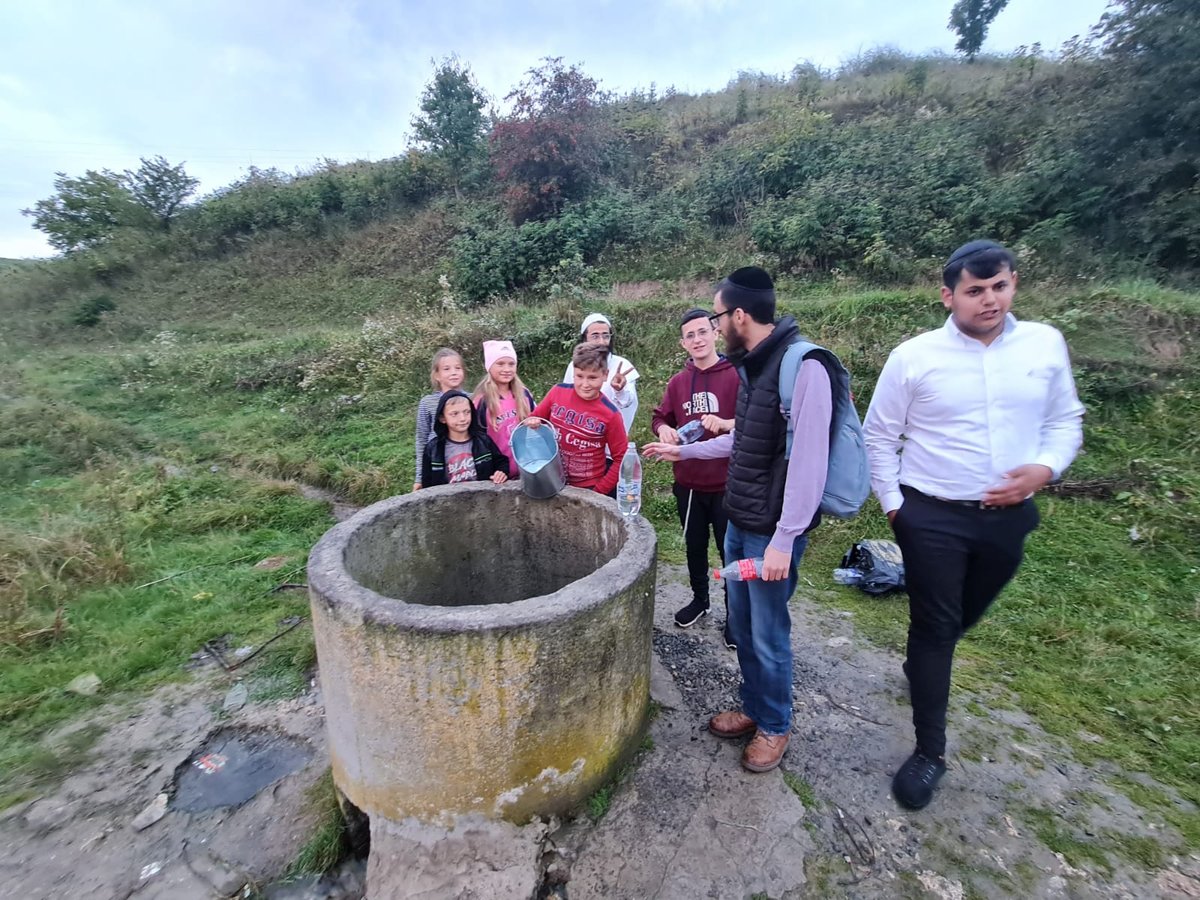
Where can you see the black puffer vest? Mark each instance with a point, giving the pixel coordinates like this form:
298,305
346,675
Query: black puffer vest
758,463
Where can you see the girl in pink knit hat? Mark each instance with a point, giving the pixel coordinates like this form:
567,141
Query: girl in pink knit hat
501,400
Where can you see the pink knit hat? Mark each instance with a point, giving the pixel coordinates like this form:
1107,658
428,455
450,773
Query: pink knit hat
497,350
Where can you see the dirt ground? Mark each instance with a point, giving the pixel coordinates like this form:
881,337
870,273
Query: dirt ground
823,826
1011,790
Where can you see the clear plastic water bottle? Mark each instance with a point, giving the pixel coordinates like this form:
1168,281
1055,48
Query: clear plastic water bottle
629,483
847,576
690,432
742,570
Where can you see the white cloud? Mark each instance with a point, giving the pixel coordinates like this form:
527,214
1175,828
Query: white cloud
226,84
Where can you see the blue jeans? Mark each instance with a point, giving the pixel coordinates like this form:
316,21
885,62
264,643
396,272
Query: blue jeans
761,626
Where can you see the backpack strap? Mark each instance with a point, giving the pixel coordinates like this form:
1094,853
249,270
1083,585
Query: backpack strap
848,478
789,368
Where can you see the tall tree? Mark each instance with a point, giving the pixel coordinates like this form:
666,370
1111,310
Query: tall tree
85,211
1153,46
552,147
970,19
160,188
452,123
1145,138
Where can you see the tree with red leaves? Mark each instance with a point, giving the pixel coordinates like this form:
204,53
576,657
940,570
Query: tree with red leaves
551,148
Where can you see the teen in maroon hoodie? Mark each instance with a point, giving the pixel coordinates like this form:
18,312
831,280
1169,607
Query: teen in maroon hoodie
705,391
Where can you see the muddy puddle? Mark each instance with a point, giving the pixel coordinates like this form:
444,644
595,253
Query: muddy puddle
233,765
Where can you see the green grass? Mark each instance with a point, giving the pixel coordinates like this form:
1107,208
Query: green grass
1064,837
107,444
1146,852
327,845
1162,804
599,802
186,547
801,789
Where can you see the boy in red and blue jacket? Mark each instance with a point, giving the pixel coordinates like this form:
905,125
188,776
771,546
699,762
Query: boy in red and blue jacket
587,422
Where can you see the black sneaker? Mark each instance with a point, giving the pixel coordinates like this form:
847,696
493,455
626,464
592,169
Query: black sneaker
729,644
917,779
691,614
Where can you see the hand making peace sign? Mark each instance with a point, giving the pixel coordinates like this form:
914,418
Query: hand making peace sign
618,379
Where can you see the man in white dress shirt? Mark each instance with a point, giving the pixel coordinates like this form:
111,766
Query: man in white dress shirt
965,425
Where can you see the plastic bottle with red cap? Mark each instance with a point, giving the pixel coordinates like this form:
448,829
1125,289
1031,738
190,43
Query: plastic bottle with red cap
742,570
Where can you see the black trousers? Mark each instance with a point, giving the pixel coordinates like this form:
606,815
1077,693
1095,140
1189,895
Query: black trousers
708,513
956,561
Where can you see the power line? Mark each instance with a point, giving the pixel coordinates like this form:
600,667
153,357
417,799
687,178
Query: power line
209,152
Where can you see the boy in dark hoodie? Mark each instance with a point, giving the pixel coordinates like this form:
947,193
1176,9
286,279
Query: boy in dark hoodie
705,391
460,449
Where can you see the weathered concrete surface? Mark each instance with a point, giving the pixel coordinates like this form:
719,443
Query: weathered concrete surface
91,848
481,652
478,858
689,823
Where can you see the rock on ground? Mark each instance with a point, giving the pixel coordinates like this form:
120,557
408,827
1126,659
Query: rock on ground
685,822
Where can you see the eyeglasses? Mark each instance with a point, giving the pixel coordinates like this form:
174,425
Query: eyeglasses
698,333
715,320
600,336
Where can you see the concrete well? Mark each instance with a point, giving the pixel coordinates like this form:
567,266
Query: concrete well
482,653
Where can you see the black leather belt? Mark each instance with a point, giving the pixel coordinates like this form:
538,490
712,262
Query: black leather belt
970,504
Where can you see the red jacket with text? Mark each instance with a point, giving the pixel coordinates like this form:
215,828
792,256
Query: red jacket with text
585,428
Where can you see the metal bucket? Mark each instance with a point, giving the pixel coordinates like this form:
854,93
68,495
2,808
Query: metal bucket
536,452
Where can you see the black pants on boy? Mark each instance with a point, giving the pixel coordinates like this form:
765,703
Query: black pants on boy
957,558
707,515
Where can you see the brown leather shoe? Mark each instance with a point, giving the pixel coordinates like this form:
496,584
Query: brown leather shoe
764,752
731,724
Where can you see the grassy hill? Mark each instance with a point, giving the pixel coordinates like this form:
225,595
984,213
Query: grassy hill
162,393
166,438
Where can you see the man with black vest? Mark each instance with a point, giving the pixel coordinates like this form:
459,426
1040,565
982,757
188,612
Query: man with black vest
771,499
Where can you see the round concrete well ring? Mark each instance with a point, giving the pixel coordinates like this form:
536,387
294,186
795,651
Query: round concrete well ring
481,652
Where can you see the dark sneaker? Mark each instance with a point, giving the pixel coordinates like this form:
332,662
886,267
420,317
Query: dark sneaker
729,644
691,614
917,779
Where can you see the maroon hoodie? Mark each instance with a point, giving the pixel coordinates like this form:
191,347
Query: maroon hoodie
690,395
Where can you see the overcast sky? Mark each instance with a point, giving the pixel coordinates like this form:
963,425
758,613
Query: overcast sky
226,84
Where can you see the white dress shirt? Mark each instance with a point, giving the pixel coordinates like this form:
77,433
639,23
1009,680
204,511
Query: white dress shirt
950,414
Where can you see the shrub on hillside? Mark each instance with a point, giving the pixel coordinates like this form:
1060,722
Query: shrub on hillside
39,438
268,199
392,352
88,313
552,149
494,257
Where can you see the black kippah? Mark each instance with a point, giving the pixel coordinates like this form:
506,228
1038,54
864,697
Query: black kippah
696,313
751,278
970,249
